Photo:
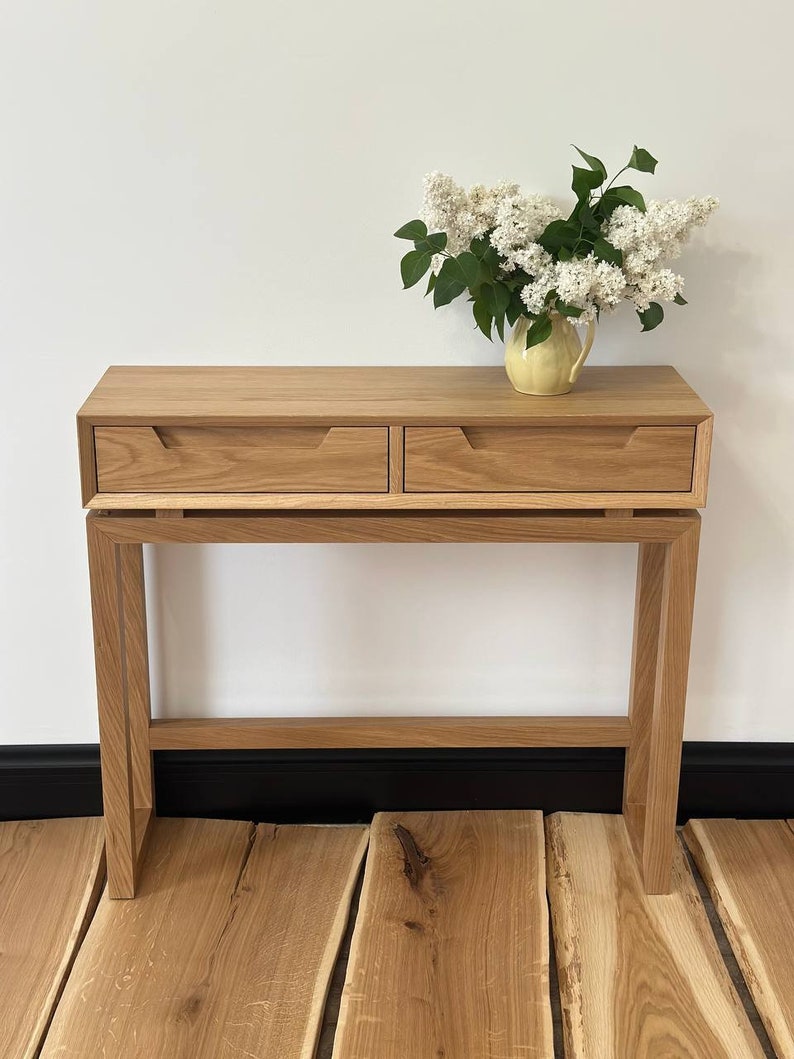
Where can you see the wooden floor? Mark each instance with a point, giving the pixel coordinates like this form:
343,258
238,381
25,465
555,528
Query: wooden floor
460,935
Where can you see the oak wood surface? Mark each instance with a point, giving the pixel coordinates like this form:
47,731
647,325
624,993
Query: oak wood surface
383,396
51,872
619,512
227,951
385,502
136,672
396,460
665,599
641,976
542,459
104,561
248,459
329,732
644,663
700,477
87,456
669,706
748,866
361,528
450,951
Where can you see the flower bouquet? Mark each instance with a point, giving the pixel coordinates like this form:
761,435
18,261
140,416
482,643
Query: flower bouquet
525,263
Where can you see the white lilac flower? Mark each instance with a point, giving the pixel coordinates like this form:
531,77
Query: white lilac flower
444,203
534,294
661,231
463,215
649,238
609,285
520,219
588,282
484,203
574,280
664,284
514,221
533,259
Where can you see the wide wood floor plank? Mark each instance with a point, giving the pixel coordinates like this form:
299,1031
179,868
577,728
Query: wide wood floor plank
641,976
227,950
450,952
51,872
748,866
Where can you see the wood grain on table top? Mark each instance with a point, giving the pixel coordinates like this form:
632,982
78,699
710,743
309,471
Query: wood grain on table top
613,395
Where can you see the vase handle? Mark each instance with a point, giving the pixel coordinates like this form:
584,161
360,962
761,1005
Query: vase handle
588,345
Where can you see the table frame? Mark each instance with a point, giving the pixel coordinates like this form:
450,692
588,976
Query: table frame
652,731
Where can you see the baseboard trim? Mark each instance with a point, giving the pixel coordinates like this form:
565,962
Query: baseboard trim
717,779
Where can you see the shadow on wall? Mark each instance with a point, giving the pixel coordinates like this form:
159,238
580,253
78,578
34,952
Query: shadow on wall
742,653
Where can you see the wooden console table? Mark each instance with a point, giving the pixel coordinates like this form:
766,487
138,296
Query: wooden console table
242,455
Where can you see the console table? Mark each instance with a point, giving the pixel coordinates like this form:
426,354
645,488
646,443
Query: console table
268,455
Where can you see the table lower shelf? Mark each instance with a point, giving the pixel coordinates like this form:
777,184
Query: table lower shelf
280,733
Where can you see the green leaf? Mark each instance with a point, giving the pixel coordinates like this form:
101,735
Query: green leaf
413,266
595,163
483,318
497,297
515,309
469,268
412,230
455,275
449,283
430,283
434,243
586,217
564,254
479,246
567,310
490,261
539,331
680,300
629,196
652,316
604,207
642,160
584,181
559,233
605,251
515,280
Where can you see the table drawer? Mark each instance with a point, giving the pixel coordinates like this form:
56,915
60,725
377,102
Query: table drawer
242,459
549,459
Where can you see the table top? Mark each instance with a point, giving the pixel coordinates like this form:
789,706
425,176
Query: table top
164,396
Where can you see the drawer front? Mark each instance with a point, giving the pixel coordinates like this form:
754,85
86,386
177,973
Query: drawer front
242,459
548,459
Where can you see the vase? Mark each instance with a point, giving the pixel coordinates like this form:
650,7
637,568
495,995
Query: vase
551,367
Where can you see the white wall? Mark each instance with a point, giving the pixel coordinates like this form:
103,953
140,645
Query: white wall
195,182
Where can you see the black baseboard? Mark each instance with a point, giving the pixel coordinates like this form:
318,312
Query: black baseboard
717,779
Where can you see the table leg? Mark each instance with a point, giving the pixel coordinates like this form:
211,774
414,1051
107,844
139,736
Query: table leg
123,702
137,671
660,662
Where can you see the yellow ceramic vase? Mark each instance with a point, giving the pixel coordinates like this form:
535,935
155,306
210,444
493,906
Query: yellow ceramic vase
550,367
